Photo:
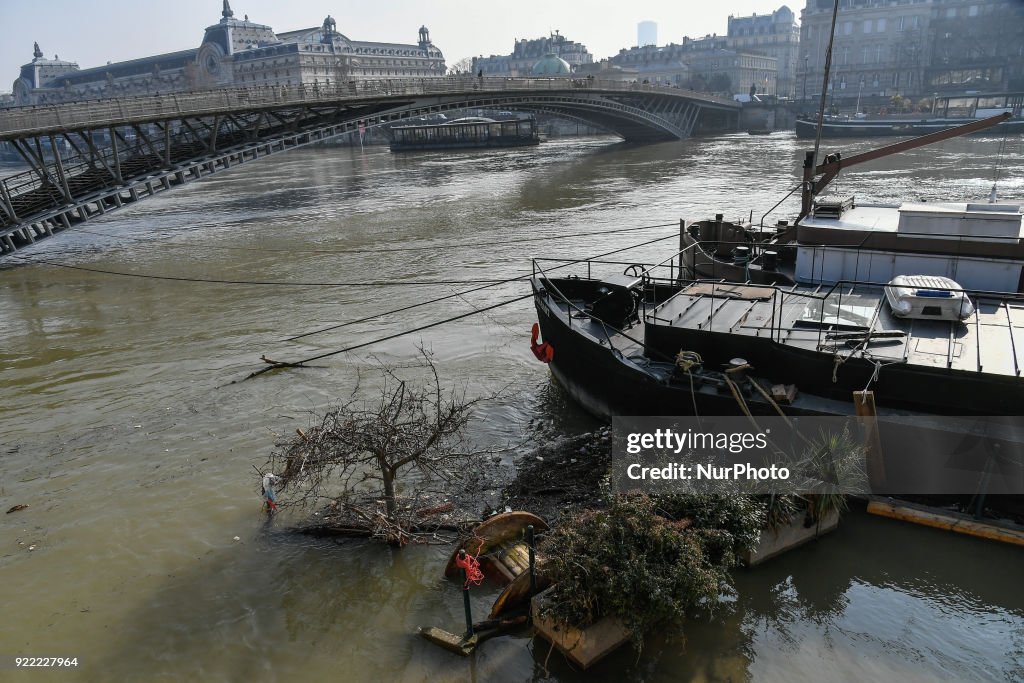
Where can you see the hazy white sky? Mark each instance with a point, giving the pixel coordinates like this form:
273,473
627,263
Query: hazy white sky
92,32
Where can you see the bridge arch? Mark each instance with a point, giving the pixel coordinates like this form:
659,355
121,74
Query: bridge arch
117,152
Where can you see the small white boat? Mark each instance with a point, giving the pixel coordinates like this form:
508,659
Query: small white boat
928,297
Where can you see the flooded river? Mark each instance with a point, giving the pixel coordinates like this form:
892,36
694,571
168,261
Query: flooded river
121,428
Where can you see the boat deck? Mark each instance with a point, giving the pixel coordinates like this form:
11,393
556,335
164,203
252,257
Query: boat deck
854,321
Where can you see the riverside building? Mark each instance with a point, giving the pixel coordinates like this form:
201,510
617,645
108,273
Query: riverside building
234,53
912,48
527,53
774,35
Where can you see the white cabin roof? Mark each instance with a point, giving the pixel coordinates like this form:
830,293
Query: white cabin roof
947,218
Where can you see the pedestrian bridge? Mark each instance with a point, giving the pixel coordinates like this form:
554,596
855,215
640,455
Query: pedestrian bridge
88,158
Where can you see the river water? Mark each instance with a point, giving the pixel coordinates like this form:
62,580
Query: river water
123,431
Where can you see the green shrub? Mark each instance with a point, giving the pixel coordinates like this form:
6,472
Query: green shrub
647,561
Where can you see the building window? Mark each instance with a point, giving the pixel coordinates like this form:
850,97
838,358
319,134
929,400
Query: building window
847,28
899,24
880,26
972,11
867,26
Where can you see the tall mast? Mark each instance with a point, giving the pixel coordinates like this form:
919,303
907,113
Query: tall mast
824,80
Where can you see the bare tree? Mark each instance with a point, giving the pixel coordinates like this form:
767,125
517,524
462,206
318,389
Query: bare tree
463,66
380,459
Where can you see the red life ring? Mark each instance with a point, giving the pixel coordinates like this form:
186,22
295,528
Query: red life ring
544,352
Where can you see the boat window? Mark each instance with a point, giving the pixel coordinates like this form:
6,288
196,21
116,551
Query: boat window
931,310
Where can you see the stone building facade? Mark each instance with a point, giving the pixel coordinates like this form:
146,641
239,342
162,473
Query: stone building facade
526,53
661,65
703,64
912,48
771,35
234,53
976,45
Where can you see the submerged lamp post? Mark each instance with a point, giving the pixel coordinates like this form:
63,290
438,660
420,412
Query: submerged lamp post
465,597
860,87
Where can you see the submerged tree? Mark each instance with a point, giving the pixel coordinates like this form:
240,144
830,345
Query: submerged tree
377,460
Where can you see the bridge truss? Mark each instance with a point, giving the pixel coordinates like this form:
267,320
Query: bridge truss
88,159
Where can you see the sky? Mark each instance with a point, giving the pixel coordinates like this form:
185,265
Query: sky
93,32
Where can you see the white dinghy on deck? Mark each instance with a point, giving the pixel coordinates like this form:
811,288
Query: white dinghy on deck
928,297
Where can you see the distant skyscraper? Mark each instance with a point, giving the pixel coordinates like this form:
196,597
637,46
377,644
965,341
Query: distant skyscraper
646,33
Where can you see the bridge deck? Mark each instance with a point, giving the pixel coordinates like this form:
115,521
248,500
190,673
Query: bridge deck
46,119
124,150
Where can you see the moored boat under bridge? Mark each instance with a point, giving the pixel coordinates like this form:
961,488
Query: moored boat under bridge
88,158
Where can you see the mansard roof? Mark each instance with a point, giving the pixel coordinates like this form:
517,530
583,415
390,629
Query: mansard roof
133,67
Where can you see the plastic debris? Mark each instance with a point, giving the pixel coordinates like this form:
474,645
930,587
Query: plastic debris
268,491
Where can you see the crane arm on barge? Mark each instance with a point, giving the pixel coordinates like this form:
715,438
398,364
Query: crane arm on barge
834,162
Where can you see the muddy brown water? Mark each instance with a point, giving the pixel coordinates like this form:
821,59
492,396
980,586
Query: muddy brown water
123,433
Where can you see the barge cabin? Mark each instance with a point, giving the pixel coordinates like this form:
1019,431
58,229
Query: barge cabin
470,132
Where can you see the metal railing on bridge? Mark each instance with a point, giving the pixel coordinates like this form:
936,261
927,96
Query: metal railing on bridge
34,120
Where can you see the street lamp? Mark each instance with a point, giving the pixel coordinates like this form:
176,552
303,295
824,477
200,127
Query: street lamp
859,88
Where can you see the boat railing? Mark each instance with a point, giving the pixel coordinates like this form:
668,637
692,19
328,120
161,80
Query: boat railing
572,306
824,301
646,272
827,303
959,249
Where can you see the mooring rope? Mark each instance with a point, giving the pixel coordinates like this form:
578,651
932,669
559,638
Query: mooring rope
382,250
471,564
270,283
441,322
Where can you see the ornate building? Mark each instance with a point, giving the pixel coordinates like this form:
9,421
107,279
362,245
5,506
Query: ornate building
234,53
772,35
913,48
527,53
